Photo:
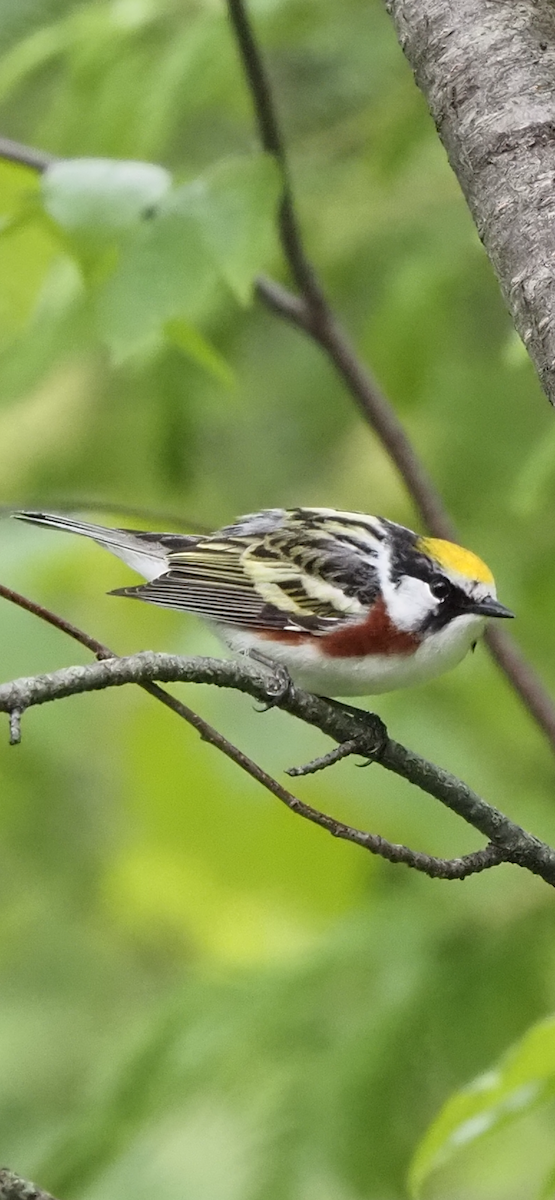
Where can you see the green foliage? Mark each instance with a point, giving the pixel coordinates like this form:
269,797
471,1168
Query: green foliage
201,995
524,1079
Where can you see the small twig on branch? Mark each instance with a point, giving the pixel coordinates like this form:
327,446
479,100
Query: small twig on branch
372,404
435,868
13,1187
314,315
26,156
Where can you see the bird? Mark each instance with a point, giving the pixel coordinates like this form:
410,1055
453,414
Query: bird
347,604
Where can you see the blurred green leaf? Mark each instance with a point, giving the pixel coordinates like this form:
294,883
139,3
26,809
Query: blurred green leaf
199,349
547,1191
236,204
31,54
524,1079
163,273
222,224
534,480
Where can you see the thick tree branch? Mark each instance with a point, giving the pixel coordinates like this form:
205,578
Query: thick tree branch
487,70
340,722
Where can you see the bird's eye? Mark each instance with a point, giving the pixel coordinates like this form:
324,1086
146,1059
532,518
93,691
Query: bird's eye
440,588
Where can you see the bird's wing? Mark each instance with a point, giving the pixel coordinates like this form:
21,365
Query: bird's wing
281,580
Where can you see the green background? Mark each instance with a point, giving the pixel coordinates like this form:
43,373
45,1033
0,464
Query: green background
201,995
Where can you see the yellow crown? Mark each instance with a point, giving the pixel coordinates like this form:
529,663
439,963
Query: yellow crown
454,558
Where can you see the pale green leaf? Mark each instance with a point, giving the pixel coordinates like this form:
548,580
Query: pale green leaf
101,195
524,1078
164,273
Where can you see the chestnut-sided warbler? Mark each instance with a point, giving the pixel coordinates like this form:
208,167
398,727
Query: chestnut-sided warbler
349,604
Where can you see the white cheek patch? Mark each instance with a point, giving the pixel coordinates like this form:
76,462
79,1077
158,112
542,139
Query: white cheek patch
409,602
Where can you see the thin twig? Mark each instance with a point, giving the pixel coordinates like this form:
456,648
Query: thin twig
15,726
315,316
271,139
435,868
26,156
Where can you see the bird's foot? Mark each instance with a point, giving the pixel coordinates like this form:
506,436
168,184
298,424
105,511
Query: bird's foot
279,682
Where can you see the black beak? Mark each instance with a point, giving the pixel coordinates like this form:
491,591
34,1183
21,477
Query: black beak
489,608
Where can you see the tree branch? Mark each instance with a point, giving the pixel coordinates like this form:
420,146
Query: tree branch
435,868
511,843
13,1187
487,70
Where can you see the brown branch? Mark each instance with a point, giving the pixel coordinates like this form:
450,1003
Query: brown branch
13,1187
508,841
313,314
435,868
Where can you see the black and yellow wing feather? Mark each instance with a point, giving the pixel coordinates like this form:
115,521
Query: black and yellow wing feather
307,572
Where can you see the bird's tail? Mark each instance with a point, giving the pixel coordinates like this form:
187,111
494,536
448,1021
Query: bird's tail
146,553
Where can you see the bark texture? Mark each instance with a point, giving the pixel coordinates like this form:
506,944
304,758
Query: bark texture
487,70
12,1187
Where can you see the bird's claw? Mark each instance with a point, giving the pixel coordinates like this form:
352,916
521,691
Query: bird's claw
277,687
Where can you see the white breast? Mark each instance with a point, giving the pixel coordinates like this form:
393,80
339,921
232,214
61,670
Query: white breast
365,675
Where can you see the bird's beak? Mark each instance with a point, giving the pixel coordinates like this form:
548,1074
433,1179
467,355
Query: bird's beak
489,608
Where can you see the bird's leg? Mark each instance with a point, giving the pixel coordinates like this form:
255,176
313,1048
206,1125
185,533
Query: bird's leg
279,683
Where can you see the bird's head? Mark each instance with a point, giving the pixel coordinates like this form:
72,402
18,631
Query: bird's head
429,583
